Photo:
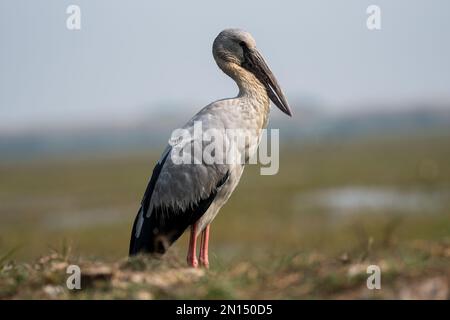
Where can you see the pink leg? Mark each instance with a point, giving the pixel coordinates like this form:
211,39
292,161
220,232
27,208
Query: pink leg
204,248
192,250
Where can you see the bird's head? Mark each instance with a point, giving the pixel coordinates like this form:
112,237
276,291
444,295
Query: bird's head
235,49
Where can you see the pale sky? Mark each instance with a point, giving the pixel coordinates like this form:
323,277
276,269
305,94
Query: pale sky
135,57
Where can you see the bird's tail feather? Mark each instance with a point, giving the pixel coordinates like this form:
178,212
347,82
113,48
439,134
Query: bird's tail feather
156,231
150,235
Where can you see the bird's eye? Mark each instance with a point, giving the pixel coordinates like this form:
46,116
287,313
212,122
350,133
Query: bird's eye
242,44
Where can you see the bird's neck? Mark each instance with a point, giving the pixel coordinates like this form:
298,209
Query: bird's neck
250,88
254,97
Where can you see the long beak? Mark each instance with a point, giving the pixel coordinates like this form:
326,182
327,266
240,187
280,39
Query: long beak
255,63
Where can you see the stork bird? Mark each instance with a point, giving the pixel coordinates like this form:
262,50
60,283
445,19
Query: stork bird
185,195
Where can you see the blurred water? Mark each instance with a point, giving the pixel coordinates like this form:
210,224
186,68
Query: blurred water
355,199
88,218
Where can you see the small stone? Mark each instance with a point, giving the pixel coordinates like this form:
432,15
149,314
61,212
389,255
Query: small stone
144,295
53,291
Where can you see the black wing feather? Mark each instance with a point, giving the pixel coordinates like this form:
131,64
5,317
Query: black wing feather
162,227
134,244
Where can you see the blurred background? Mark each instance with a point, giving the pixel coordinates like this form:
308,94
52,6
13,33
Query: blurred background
85,114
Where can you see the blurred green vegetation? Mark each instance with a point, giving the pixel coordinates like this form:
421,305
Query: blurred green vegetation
90,201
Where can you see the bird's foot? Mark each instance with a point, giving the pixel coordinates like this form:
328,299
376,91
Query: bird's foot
204,262
192,261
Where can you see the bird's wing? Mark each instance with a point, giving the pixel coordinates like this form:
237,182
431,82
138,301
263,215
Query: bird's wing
177,195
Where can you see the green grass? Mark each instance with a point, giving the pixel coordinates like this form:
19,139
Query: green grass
89,203
417,270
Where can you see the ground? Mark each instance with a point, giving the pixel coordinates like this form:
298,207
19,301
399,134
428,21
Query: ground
416,271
